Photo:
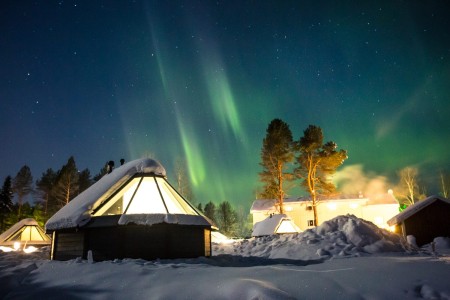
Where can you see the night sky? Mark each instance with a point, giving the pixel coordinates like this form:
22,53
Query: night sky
201,80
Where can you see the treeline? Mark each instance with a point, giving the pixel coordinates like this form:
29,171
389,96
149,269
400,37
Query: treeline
230,222
21,197
49,193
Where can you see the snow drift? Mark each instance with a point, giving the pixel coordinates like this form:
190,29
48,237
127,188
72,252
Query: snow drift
339,237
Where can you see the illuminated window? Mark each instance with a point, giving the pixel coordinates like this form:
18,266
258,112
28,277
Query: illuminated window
378,221
332,206
175,203
116,206
146,195
146,199
353,205
28,233
310,222
286,227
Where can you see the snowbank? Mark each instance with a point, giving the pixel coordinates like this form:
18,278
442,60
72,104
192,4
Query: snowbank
342,236
252,272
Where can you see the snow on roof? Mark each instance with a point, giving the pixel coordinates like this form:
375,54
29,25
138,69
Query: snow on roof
16,227
271,225
150,219
411,210
78,211
264,205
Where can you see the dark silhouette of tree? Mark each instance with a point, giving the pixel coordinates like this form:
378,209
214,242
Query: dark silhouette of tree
103,172
67,183
226,218
243,223
210,211
200,208
38,214
84,180
316,163
45,191
22,186
276,153
6,204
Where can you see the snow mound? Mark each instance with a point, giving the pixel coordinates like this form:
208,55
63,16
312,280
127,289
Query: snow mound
442,243
342,236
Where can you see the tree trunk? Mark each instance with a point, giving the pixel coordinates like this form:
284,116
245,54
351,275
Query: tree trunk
280,187
316,217
19,212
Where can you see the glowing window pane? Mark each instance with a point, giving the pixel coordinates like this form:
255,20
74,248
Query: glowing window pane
119,202
147,199
175,203
286,227
35,236
354,205
332,206
26,233
17,236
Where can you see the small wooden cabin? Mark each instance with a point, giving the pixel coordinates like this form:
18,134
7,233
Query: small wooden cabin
425,220
132,212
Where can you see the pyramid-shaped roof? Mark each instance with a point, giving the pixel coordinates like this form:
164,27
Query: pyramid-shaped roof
26,231
138,192
278,223
413,209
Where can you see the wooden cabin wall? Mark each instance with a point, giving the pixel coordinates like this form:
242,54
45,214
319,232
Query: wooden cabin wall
428,223
135,241
67,245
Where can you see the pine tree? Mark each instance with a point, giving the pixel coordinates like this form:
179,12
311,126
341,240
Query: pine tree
103,172
45,187
67,183
22,186
316,163
84,180
276,153
38,214
210,211
6,204
226,218
243,222
200,208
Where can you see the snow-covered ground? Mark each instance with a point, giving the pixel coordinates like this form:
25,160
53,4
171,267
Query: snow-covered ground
345,258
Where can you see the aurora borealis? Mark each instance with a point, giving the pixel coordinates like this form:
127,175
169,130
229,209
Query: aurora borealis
201,80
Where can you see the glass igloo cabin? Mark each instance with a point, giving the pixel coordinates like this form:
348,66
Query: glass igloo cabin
133,212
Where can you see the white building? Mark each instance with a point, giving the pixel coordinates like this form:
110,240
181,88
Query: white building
377,210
